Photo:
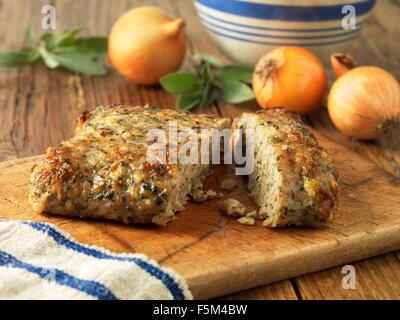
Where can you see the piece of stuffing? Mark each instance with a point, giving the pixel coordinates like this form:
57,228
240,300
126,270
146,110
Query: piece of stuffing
232,207
200,195
228,184
252,214
249,221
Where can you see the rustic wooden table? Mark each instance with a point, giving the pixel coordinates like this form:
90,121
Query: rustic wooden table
39,108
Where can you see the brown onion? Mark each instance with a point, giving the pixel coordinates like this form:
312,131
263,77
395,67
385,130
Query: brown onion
146,44
364,102
292,77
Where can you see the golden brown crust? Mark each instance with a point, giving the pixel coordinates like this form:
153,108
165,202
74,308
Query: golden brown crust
103,170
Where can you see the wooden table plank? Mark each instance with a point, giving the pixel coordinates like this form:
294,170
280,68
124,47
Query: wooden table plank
376,278
282,290
39,108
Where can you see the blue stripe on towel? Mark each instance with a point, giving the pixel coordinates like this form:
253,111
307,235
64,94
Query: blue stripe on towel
280,43
165,278
92,288
285,12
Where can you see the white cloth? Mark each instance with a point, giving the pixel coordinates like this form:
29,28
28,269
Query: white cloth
39,261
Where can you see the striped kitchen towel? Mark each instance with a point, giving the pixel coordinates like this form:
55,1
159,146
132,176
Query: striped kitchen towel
39,261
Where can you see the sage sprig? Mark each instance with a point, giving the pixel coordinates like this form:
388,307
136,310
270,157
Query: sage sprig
212,80
65,49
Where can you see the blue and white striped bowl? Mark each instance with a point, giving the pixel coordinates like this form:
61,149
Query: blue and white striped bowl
246,29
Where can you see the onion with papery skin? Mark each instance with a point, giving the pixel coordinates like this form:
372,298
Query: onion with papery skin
146,44
341,63
292,77
365,102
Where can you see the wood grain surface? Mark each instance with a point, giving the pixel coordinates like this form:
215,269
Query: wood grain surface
39,107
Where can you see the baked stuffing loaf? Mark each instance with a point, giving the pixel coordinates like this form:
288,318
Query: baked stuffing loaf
103,172
294,180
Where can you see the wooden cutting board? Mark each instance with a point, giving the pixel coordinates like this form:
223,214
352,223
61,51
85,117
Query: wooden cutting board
216,254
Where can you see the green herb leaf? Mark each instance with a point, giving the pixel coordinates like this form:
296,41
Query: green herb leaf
34,55
212,80
208,97
207,58
188,101
63,49
47,39
235,72
48,58
67,37
81,63
29,36
233,91
96,46
206,73
17,58
180,82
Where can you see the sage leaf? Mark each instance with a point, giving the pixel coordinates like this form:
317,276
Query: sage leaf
206,73
29,36
210,81
67,37
48,58
207,58
180,82
62,49
80,63
235,72
47,40
96,46
208,97
16,58
188,101
34,55
234,91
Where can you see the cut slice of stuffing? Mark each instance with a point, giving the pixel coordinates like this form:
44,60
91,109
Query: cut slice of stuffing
294,180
